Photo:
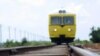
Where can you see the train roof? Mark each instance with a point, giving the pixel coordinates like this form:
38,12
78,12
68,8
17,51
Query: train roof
53,14
62,12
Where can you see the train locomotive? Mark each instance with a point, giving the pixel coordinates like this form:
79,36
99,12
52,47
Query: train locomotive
62,27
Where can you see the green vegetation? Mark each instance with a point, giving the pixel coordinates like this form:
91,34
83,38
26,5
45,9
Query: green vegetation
25,42
95,35
80,42
95,38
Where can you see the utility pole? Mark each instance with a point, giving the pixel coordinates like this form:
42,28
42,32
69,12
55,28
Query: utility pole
25,33
9,33
15,34
0,35
20,32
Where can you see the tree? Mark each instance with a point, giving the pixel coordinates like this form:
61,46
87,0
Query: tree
95,35
24,41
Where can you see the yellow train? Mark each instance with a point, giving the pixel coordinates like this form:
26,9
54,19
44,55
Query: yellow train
62,27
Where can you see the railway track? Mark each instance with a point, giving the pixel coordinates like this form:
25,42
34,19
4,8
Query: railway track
54,50
59,50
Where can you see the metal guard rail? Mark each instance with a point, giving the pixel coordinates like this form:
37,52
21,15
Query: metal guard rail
83,52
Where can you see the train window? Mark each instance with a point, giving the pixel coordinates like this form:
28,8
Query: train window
68,20
55,20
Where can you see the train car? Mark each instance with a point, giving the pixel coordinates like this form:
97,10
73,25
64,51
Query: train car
62,27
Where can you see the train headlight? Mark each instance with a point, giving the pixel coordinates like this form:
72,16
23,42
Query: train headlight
55,30
69,29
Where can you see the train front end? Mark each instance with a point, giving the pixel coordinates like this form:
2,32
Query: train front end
62,27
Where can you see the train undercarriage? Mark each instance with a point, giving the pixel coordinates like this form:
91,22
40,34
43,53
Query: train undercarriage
60,40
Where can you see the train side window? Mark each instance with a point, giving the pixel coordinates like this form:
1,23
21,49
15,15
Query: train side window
68,20
55,20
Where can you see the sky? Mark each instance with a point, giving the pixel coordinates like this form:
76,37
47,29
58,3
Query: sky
32,15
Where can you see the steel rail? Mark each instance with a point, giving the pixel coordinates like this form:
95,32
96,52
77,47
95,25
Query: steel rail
57,50
83,52
21,49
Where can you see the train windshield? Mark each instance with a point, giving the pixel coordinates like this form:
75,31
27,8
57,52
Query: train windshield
55,20
68,20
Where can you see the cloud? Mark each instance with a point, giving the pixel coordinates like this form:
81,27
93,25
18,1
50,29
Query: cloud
72,7
78,9
98,2
33,2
